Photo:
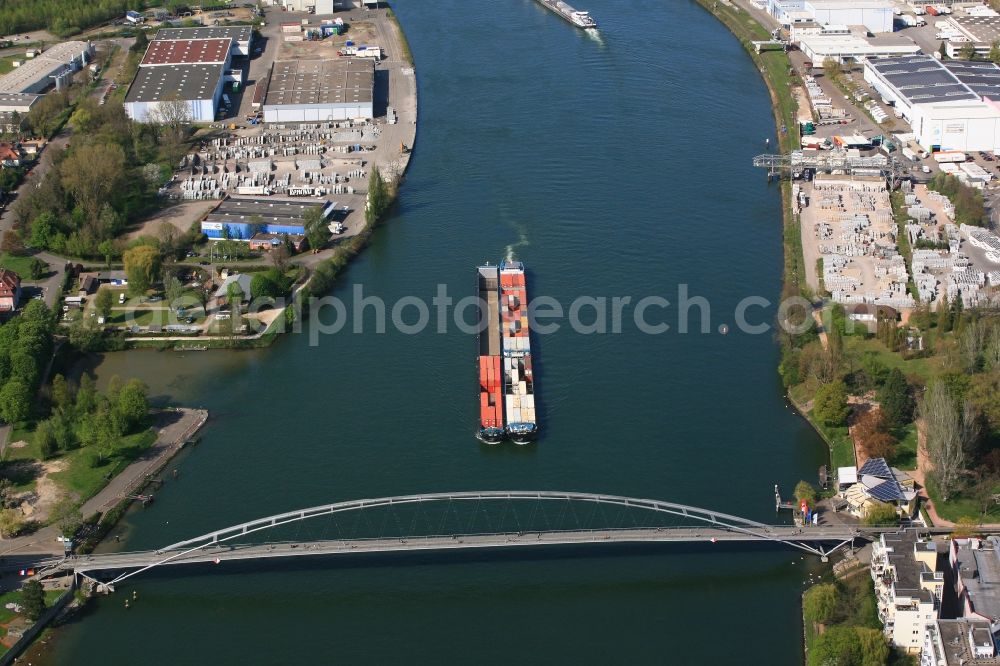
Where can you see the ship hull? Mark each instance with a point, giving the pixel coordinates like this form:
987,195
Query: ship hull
581,20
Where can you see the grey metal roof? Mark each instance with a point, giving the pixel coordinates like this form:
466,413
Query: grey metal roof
340,81
185,82
270,210
979,570
240,33
922,79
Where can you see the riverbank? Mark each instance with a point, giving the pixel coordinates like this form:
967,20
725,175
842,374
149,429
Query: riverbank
174,429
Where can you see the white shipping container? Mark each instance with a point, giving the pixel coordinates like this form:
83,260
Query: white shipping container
949,156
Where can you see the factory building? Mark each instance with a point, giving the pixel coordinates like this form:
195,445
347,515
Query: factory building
187,52
848,45
320,90
54,67
199,86
980,31
242,219
875,15
241,35
193,71
948,105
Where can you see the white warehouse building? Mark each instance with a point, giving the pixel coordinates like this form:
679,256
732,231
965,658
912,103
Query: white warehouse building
875,15
199,86
320,90
947,104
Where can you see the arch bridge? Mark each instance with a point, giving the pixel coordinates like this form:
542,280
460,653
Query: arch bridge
487,519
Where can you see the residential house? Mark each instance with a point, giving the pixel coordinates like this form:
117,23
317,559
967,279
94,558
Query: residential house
222,293
10,154
265,242
877,483
909,584
10,290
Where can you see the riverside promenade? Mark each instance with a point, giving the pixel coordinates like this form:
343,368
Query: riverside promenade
175,427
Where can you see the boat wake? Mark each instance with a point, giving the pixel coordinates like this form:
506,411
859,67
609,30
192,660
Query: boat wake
522,241
594,34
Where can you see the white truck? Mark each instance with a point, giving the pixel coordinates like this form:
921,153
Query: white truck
909,154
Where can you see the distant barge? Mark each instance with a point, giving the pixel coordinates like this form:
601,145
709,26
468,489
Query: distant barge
576,17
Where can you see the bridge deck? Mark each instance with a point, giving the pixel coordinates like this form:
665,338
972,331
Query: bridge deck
236,552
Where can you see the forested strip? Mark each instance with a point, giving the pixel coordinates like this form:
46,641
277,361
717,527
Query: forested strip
61,17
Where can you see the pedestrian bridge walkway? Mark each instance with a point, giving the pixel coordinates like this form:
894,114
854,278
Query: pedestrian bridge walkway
401,524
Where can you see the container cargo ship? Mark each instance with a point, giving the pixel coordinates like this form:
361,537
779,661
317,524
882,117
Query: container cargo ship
576,17
491,420
518,376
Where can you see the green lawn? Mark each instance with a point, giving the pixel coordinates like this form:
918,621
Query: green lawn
906,449
82,478
960,506
18,264
7,62
922,367
6,615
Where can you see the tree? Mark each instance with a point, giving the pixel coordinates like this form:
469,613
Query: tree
141,42
874,648
830,405
10,523
279,257
103,303
107,249
142,266
895,399
881,514
85,335
12,242
37,268
819,603
805,491
46,439
965,527
943,51
995,52
33,599
316,229
967,52
234,295
65,515
261,286
174,290
173,115
838,645
872,437
943,427
132,405
92,173
62,393
379,197
15,401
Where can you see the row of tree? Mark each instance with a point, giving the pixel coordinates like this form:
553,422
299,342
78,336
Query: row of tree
846,618
83,417
60,17
968,201
109,177
25,350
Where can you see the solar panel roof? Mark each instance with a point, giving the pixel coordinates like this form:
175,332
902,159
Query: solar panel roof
983,78
887,491
876,467
922,79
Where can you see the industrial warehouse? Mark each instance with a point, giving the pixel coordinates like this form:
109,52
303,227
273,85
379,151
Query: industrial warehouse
241,36
242,219
320,90
947,104
189,65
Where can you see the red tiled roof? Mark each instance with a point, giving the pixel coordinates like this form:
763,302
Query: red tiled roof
186,51
8,152
9,282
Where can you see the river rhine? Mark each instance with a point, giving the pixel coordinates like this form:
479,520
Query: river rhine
615,167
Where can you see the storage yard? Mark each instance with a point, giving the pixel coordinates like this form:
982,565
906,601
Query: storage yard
847,225
308,124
